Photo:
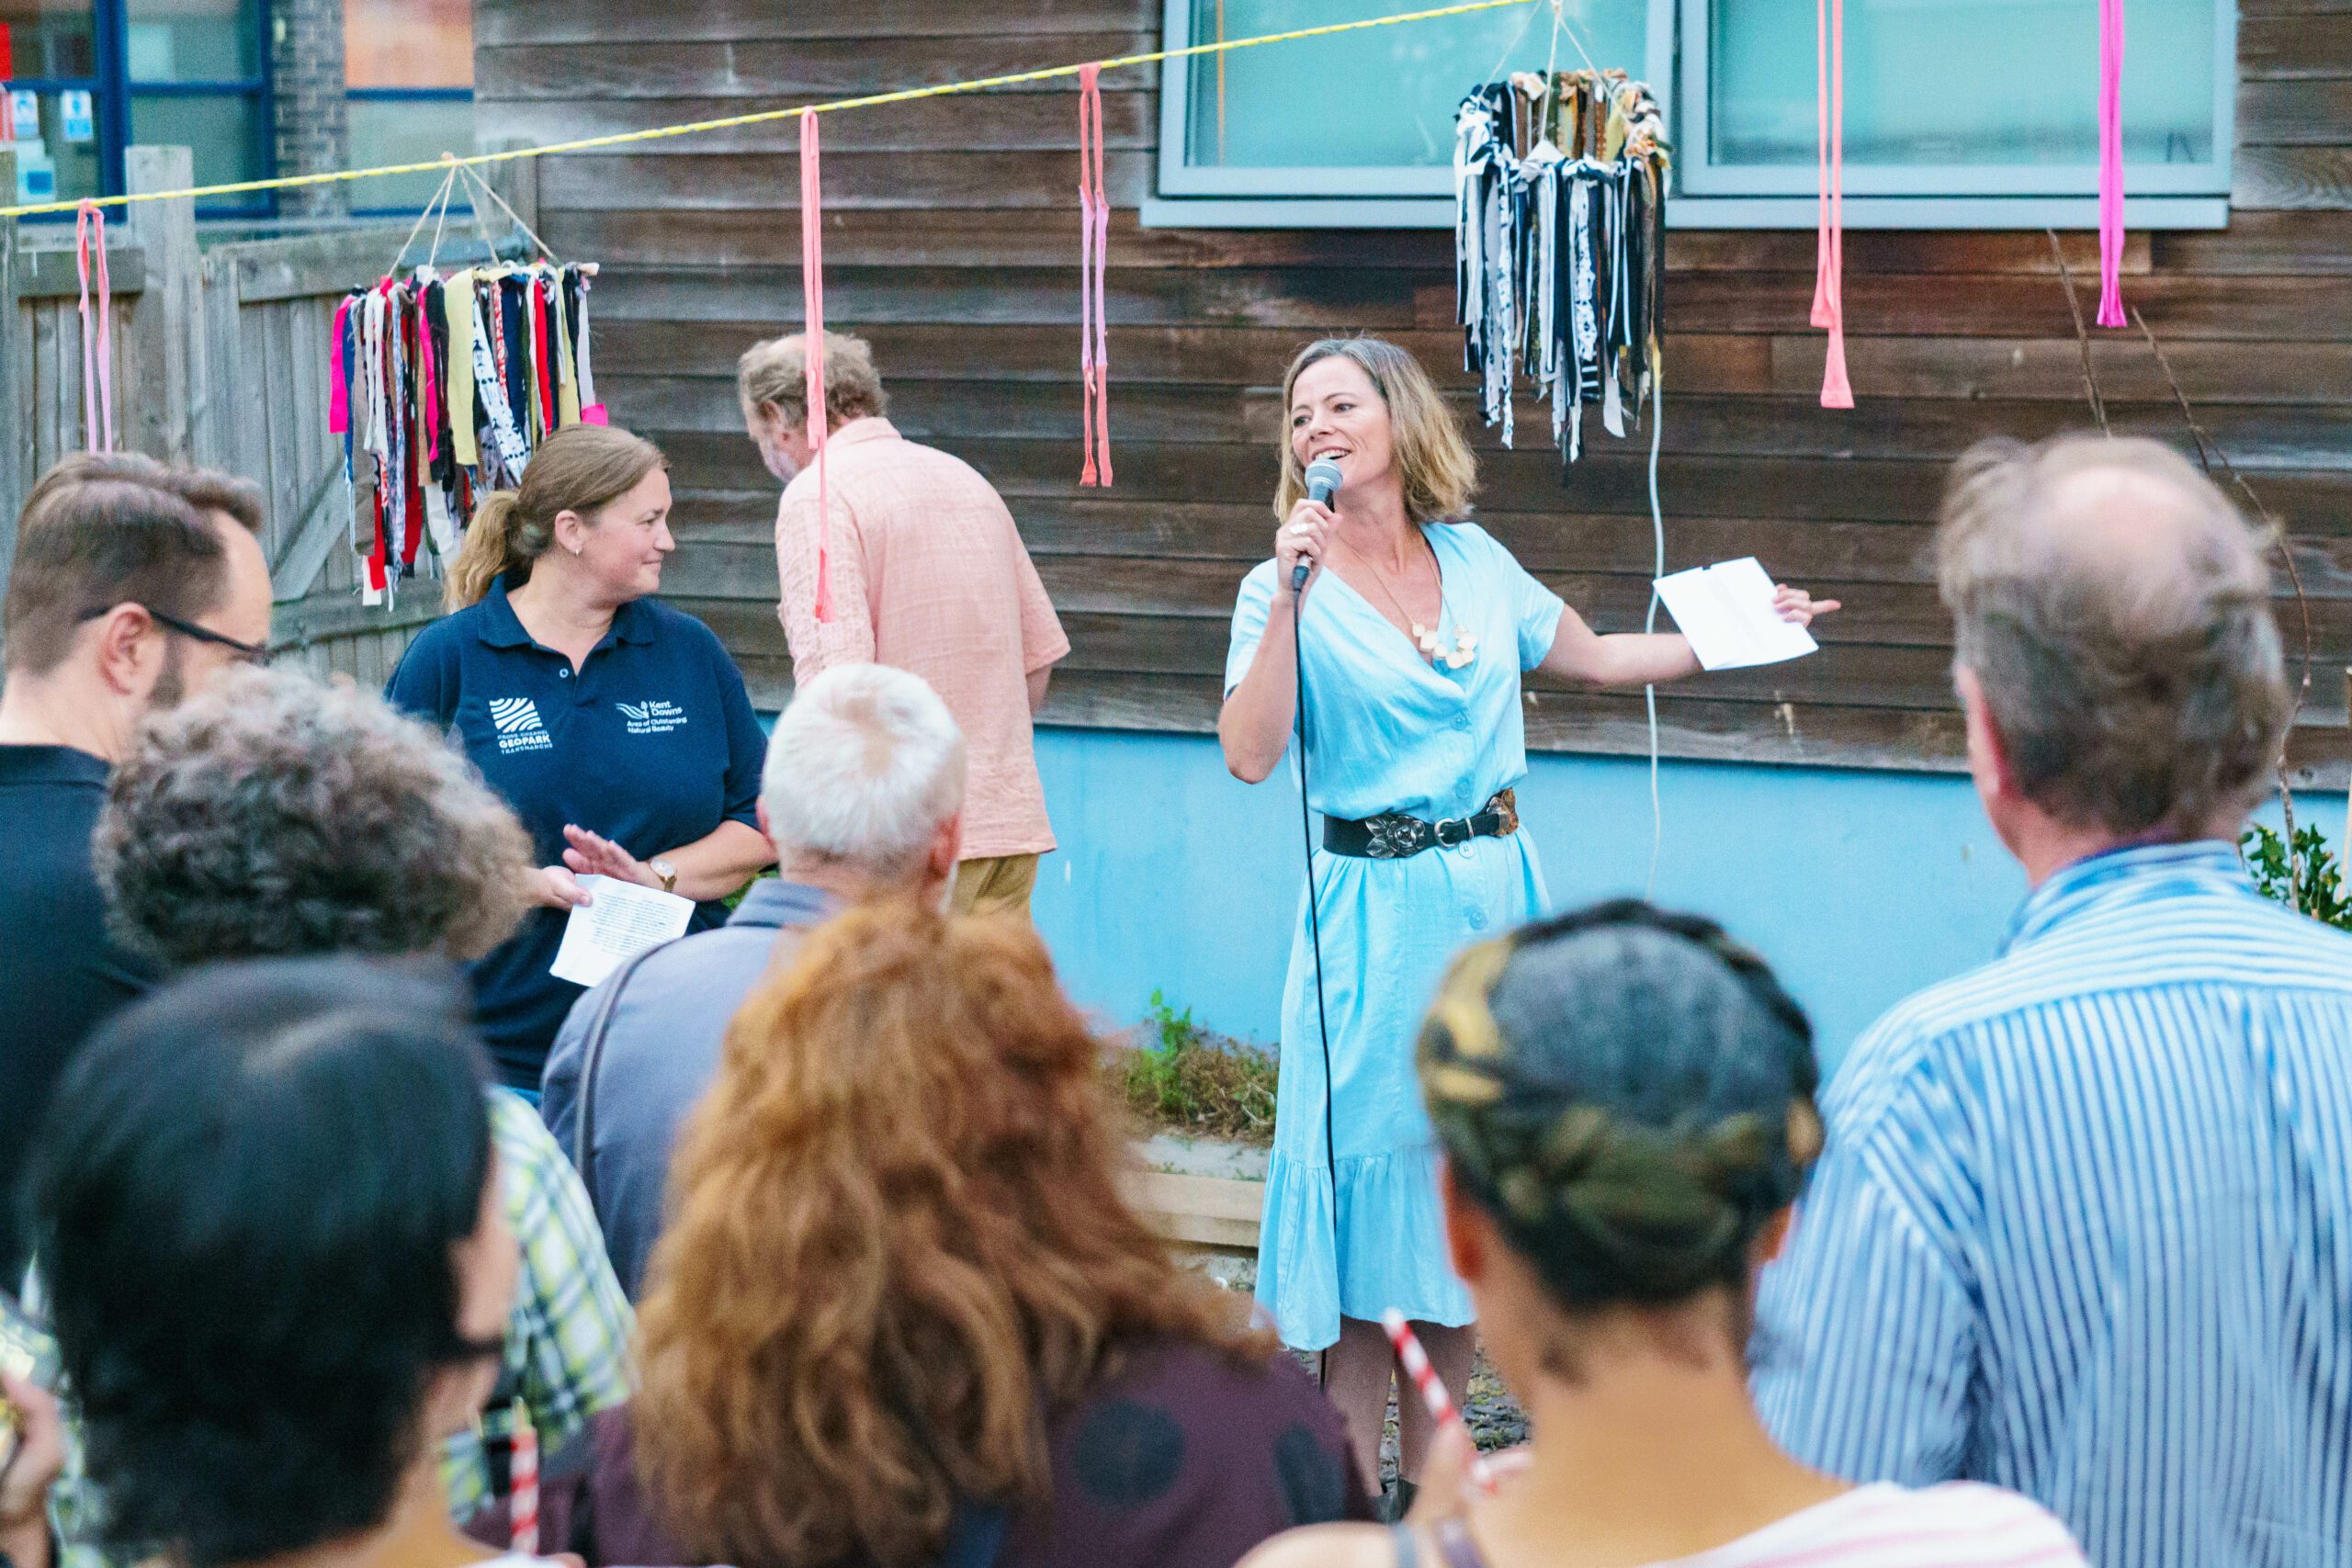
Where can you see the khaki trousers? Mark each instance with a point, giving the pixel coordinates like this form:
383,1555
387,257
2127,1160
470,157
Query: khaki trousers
994,884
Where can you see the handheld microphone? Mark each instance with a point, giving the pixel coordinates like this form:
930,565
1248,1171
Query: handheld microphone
1322,483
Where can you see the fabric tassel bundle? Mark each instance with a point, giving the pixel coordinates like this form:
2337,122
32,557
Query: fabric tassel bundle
442,385
1559,246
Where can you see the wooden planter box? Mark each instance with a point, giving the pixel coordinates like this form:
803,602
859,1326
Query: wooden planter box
1203,1210
1200,1191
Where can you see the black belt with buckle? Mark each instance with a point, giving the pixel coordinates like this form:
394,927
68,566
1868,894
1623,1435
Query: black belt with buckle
1392,835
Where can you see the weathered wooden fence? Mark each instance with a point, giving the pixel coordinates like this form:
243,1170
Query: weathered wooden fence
220,358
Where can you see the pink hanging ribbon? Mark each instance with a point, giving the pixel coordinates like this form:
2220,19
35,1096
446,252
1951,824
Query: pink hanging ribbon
2111,162
97,348
812,309
1829,256
428,382
339,393
1094,266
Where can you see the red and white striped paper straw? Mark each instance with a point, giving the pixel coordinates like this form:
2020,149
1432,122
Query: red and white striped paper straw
1440,1403
523,1489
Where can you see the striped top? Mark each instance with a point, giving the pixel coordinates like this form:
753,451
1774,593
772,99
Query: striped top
1959,1524
2083,1227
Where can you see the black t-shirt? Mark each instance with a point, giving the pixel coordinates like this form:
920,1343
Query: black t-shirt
60,976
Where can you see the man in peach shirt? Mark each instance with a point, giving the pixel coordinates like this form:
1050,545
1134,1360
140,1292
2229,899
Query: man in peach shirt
928,574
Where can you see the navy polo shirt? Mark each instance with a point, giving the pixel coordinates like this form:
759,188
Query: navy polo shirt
651,743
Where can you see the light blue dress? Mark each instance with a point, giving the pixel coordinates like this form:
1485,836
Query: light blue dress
1386,732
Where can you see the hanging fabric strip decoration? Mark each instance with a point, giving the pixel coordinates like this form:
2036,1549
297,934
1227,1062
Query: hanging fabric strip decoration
1091,474
812,307
339,379
1821,162
2111,162
1837,390
97,347
1559,180
441,389
1102,282
1093,262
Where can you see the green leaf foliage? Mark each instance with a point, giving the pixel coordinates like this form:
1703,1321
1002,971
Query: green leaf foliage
2316,887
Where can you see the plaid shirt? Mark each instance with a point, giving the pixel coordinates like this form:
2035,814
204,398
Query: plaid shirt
567,1343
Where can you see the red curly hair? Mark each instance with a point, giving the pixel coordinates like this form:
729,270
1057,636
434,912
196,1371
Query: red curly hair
898,1243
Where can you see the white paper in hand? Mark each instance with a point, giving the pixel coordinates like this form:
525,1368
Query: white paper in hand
624,922
1726,611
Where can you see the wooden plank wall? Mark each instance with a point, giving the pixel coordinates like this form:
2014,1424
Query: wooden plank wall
951,243
270,309
257,407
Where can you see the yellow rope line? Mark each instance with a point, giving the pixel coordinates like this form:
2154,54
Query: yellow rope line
290,181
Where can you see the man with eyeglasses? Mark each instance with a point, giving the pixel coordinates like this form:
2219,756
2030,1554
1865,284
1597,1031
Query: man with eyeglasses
133,585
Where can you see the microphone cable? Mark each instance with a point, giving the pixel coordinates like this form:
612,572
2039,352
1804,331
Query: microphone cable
1315,920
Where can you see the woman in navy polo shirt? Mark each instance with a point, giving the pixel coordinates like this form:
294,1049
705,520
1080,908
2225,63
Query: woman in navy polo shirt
616,726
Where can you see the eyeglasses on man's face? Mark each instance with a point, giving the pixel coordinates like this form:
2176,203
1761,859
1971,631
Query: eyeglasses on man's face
247,652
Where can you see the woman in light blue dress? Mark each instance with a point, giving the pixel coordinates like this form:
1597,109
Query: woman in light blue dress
1416,626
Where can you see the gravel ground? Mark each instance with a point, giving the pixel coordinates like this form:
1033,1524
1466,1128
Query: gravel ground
1495,1417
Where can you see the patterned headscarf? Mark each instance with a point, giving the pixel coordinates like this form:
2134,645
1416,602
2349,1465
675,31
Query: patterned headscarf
1630,1093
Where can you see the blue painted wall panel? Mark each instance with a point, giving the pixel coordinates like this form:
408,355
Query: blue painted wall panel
1859,888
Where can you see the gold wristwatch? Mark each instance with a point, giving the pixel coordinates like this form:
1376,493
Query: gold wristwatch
666,872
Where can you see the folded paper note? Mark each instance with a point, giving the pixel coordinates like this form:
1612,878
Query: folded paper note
1726,611
623,921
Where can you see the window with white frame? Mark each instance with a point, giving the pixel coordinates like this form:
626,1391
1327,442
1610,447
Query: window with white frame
1958,113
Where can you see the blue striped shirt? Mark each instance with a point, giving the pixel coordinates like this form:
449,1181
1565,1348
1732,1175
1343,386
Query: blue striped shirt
2083,1228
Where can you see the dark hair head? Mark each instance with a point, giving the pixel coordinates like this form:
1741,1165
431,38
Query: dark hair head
94,542
246,1200
1629,1093
273,815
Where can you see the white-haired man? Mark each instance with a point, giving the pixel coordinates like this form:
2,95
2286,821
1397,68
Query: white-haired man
863,797
2081,1227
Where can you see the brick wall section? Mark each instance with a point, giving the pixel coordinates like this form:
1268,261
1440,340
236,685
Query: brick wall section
306,63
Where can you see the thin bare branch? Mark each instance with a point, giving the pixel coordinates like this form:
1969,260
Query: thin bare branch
2082,335
2208,451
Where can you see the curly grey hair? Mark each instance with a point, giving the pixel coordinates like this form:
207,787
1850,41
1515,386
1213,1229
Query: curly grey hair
274,816
2115,610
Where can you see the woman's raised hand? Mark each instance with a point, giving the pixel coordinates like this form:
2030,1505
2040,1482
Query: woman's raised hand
592,855
1799,608
1301,537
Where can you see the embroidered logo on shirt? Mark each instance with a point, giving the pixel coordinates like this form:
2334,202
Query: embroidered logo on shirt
653,717
519,729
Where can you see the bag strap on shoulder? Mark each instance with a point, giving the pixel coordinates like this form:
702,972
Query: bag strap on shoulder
592,1058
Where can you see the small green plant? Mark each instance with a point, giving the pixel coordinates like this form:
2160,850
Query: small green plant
1185,1080
2311,883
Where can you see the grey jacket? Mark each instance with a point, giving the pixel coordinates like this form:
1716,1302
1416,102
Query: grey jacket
660,1052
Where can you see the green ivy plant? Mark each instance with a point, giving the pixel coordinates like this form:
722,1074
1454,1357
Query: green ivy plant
2310,882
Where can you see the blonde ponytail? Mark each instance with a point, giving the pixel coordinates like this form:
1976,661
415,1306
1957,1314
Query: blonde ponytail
489,550
581,469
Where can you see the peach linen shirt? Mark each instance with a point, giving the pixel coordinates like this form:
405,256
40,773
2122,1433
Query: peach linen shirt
928,574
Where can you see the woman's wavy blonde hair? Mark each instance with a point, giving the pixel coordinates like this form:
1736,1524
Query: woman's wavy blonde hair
898,1243
1439,472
